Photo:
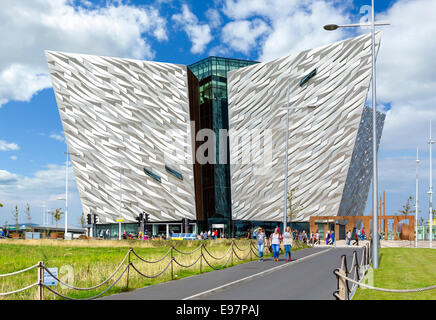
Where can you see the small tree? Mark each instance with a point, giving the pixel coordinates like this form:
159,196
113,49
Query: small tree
294,207
421,221
1,205
82,220
57,215
407,208
28,216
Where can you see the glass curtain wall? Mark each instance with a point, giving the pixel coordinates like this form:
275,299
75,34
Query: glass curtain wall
212,75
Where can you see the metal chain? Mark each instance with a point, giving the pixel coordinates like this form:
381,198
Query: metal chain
240,248
151,277
187,252
228,250
183,266
239,257
156,261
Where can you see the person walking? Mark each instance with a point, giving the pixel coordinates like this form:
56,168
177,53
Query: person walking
348,237
332,238
287,242
275,240
356,240
260,235
327,238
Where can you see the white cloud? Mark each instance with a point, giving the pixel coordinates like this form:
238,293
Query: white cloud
242,35
405,73
28,27
213,17
199,34
58,137
6,146
44,187
295,25
7,178
13,157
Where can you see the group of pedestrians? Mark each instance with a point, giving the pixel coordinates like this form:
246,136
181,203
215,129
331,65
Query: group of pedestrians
359,235
274,241
204,235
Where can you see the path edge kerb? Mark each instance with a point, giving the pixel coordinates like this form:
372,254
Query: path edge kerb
262,273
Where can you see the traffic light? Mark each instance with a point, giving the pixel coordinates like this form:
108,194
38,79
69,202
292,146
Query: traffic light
147,218
140,218
95,219
89,219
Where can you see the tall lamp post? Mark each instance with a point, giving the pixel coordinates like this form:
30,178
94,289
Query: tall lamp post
66,190
416,201
430,193
375,235
285,209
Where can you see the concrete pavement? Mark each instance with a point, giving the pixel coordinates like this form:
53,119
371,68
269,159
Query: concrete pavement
308,276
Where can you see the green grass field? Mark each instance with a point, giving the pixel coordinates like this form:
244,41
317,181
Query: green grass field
92,262
403,268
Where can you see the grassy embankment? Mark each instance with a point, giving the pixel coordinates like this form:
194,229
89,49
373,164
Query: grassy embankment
93,261
403,268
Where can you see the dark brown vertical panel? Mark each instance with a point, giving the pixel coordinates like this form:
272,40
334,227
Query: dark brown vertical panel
194,112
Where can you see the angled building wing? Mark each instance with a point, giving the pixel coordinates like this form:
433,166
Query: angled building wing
327,92
127,126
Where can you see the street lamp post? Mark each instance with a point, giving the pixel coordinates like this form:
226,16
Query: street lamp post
66,196
430,193
66,190
416,201
121,199
375,235
285,209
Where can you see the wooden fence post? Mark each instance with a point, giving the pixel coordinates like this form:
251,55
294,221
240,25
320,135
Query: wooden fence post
201,257
172,262
40,281
341,284
128,271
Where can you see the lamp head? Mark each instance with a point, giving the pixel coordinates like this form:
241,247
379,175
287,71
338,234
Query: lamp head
331,27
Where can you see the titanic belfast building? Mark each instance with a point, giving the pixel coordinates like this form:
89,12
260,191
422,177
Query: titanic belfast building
204,146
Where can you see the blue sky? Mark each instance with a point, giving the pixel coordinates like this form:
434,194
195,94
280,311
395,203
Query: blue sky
32,159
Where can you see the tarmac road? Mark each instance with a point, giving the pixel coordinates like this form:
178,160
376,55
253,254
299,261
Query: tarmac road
308,277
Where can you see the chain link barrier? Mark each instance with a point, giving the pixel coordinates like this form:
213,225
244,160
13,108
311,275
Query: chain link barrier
230,253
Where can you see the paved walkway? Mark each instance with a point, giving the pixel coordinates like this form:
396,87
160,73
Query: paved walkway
405,243
308,276
342,244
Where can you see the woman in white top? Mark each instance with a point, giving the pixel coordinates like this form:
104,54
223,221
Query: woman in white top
287,242
275,240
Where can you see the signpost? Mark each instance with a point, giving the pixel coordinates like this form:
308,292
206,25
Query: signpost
48,279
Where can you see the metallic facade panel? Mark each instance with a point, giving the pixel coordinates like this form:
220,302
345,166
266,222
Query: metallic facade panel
130,114
359,175
325,115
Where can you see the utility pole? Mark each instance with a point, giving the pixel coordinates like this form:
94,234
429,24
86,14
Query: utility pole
66,197
430,192
416,201
285,209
